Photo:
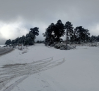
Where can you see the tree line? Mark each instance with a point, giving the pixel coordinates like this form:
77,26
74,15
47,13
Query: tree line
29,39
54,33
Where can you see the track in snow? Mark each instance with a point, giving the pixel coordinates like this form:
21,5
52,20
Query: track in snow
10,72
5,50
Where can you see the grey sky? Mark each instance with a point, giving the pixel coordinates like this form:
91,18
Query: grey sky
18,16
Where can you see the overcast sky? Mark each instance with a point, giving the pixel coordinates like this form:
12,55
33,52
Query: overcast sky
18,16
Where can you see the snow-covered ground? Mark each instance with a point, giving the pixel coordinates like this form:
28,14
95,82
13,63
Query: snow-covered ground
4,50
41,68
2,45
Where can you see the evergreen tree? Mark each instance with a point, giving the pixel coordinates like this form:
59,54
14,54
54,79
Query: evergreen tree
54,32
8,42
59,30
81,34
69,31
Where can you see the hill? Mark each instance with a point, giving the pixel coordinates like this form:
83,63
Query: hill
41,68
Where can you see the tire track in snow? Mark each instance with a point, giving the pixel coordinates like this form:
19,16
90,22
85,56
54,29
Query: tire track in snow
11,71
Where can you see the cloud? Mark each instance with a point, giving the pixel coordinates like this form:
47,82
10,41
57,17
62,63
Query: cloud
12,30
19,27
94,29
18,16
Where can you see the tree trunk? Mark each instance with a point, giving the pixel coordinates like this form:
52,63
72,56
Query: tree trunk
66,38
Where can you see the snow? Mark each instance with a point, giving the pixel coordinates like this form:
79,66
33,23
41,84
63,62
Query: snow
41,68
2,45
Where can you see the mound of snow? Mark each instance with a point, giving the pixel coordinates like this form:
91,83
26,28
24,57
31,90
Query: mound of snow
63,46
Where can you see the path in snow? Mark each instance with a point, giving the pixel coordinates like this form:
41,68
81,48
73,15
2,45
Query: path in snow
10,72
5,50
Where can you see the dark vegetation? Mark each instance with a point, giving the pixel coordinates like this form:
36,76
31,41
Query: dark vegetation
77,35
29,39
54,33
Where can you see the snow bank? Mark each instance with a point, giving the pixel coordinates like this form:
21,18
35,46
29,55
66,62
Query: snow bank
4,50
63,46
